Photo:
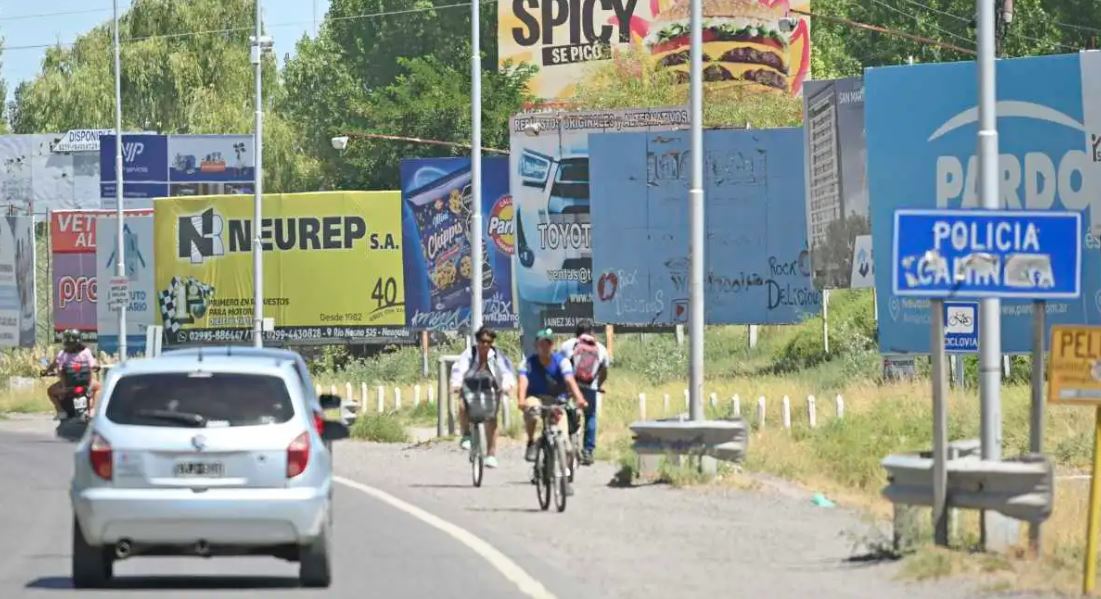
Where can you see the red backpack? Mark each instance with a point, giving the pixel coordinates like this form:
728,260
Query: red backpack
586,360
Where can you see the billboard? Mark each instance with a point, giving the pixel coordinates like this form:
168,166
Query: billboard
35,179
332,267
156,166
138,260
757,268
17,292
763,43
837,186
73,269
436,209
921,154
549,182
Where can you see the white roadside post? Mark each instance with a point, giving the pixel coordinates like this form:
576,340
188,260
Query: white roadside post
737,401
120,257
812,413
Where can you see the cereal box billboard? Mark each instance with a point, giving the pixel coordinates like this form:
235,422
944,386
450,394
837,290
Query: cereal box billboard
436,211
765,43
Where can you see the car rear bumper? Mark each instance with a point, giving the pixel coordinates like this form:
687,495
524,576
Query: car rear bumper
236,517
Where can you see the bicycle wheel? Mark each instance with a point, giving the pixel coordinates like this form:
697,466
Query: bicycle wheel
561,477
477,454
544,461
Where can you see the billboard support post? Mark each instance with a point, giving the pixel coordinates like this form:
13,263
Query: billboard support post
826,320
1036,424
990,342
940,424
120,260
695,197
475,169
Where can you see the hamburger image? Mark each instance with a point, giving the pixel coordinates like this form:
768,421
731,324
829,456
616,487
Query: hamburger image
742,42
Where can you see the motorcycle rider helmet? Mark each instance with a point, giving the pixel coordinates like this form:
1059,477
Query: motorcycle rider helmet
70,337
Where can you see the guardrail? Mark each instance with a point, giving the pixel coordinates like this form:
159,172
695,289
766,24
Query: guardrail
1020,488
721,439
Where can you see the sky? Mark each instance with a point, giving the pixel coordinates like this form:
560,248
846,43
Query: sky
28,26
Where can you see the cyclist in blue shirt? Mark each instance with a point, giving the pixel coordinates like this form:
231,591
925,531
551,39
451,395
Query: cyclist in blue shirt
545,375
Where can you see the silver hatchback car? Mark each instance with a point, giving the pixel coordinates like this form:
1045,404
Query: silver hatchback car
205,453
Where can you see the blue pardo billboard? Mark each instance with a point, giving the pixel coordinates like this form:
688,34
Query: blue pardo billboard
922,127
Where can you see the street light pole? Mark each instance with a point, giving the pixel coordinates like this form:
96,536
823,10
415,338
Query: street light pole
258,199
475,169
120,253
695,200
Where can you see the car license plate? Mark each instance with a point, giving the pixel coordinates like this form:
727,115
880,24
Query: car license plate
199,469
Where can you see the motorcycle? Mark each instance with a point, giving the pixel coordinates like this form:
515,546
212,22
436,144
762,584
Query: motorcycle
77,382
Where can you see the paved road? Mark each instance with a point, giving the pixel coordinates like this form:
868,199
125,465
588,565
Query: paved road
408,524
378,548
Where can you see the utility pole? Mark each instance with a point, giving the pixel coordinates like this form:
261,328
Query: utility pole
120,253
476,256
259,43
1003,19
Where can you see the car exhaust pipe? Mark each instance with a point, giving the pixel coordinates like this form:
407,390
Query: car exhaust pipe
123,549
202,548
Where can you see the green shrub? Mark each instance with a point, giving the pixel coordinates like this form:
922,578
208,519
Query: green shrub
380,428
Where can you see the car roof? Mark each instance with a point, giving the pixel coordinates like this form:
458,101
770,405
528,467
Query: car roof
235,350
186,362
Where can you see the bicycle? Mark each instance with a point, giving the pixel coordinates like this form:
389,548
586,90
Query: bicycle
552,473
480,406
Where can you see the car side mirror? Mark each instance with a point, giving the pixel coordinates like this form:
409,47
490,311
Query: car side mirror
329,401
335,431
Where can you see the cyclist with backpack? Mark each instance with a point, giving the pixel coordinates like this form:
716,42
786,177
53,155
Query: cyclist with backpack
480,367
590,368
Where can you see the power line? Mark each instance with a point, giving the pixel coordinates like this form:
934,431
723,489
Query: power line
1021,35
55,14
934,24
885,30
184,34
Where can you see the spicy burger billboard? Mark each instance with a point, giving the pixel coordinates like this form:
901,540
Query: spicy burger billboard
762,42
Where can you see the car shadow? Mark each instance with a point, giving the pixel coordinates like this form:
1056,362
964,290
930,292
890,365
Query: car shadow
169,583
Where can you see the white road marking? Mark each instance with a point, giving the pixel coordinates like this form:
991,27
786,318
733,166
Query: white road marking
501,562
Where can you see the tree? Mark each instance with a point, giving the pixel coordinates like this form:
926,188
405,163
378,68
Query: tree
185,69
404,71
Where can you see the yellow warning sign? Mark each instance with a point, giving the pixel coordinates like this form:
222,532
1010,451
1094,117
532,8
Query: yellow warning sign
1074,376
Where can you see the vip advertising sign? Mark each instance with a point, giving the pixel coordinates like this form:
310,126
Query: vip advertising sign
922,124
436,209
757,267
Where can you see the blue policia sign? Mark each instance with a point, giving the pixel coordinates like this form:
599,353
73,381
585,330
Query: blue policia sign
973,253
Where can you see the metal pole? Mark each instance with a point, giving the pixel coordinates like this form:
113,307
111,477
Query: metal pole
940,425
258,199
826,320
1036,424
120,254
475,168
990,343
695,198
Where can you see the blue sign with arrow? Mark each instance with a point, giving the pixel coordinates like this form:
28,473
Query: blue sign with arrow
987,253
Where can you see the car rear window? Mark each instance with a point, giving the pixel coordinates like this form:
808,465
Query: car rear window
199,400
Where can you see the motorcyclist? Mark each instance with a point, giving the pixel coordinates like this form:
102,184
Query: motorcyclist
73,351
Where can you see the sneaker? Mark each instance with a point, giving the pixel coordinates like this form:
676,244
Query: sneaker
586,458
529,453
491,461
465,443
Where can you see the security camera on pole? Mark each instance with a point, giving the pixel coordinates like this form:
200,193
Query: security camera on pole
260,43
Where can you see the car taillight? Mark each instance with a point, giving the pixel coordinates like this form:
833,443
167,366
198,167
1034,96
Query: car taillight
298,455
319,423
100,456
78,390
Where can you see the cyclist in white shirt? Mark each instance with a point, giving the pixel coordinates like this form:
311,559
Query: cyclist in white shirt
483,355
590,361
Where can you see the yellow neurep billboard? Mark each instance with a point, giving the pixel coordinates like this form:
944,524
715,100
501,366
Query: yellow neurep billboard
332,266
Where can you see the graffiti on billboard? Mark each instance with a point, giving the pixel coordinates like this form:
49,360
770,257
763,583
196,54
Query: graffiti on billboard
757,268
921,154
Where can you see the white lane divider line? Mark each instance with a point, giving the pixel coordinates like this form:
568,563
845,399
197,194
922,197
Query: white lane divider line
501,562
